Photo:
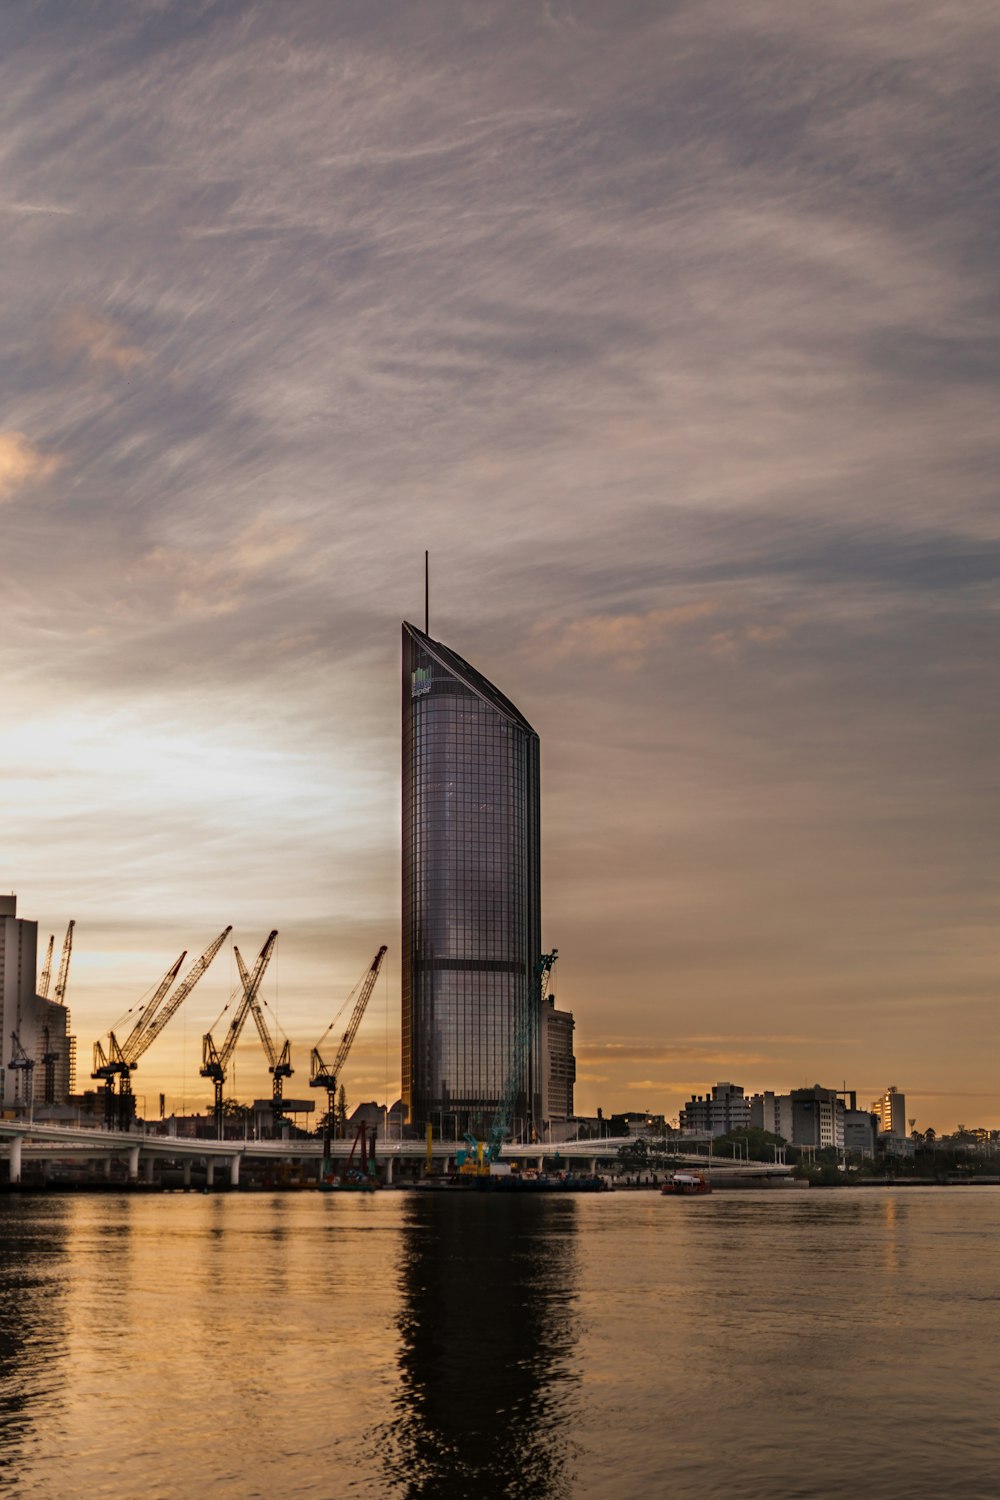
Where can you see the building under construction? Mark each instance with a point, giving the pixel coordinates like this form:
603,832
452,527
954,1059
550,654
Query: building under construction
38,1057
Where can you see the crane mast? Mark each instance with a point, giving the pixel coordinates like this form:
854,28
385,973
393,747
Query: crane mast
20,1062
215,1060
322,1076
121,1059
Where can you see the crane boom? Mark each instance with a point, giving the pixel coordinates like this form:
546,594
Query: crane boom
120,1050
63,980
258,1016
45,978
323,1077
187,984
251,983
368,984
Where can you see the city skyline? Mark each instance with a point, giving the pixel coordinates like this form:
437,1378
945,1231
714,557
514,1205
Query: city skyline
668,333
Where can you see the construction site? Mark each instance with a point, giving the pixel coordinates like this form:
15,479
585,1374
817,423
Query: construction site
487,1059
263,1145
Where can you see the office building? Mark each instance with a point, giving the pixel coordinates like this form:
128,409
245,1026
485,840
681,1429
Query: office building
558,1064
471,894
817,1118
860,1131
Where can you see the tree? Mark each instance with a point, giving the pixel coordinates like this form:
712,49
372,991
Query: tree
634,1155
341,1117
754,1143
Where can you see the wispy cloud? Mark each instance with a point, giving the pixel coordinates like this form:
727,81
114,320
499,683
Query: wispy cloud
668,330
23,463
103,343
626,639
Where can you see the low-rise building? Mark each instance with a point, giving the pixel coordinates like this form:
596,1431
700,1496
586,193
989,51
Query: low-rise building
860,1131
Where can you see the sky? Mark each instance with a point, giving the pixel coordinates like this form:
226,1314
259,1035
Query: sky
670,330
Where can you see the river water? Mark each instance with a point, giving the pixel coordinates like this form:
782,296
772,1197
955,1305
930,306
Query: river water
762,1345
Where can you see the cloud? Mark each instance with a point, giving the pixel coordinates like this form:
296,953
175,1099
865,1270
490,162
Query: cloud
22,463
669,328
626,639
732,643
665,1086
202,586
101,342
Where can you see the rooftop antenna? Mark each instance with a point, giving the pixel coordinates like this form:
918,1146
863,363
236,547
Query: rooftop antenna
427,593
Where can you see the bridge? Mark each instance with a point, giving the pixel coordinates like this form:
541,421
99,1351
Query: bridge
142,1150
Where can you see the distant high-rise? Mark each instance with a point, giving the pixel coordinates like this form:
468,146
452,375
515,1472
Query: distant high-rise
558,1064
471,891
891,1112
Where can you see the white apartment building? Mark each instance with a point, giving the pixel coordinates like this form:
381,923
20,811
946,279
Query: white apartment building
772,1112
717,1113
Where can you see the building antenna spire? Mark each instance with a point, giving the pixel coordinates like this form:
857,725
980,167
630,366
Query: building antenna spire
427,593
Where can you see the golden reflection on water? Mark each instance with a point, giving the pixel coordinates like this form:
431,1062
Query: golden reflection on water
770,1345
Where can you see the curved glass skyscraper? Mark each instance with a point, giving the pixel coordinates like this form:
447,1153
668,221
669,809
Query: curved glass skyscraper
471,890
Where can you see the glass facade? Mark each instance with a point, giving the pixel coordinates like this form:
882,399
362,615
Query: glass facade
471,891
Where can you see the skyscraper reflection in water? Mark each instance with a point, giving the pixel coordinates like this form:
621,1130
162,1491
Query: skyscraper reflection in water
487,1329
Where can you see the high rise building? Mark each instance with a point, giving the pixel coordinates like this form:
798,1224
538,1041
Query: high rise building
558,1064
471,892
41,1025
891,1111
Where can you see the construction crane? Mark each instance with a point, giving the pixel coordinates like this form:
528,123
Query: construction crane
122,1058
526,1032
320,1075
215,1060
49,1055
279,1063
20,1063
45,978
63,979
111,1064
49,1059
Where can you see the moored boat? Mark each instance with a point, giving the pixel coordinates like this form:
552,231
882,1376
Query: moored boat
686,1185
